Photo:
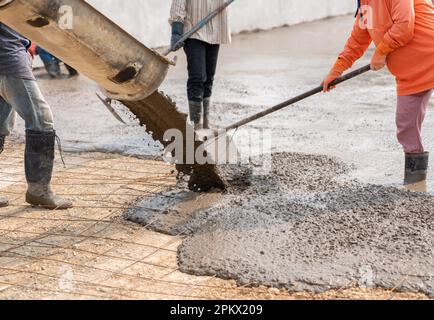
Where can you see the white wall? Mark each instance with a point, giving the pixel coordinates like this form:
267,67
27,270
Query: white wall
147,20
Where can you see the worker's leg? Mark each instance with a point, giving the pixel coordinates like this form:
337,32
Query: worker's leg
26,99
7,120
410,114
196,60
3,201
212,53
7,117
411,111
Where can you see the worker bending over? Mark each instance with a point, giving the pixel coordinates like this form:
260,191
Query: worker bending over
202,51
403,32
20,93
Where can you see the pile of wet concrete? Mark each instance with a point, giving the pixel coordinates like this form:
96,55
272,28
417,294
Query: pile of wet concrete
304,226
159,114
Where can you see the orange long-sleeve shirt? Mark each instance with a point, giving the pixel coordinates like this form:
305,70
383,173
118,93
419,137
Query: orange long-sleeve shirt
407,28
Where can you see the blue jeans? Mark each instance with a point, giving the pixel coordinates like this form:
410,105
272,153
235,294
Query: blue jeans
25,98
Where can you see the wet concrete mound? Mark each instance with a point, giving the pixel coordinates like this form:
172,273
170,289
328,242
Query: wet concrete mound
172,212
311,231
306,226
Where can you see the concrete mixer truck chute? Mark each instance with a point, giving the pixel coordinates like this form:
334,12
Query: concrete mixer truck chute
85,39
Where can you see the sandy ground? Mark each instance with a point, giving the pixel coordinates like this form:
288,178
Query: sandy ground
355,123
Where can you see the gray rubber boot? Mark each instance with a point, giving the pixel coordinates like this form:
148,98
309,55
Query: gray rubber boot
206,106
195,114
416,167
39,161
3,201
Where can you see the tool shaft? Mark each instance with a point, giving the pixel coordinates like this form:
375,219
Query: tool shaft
299,98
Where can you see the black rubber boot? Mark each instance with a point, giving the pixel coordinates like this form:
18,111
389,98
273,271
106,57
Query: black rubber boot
3,201
195,114
206,106
39,161
416,167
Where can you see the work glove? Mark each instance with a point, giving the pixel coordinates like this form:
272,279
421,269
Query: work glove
335,72
177,32
379,59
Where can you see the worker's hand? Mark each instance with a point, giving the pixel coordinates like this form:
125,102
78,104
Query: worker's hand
338,69
332,76
177,32
379,59
32,50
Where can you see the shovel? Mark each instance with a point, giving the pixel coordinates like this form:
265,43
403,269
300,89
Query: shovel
299,98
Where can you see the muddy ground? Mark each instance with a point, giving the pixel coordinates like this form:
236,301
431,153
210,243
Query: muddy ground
331,216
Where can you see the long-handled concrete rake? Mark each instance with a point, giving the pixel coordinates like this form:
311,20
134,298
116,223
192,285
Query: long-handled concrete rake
296,99
227,152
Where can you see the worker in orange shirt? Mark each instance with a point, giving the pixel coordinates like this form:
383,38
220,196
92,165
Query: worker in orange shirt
403,32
